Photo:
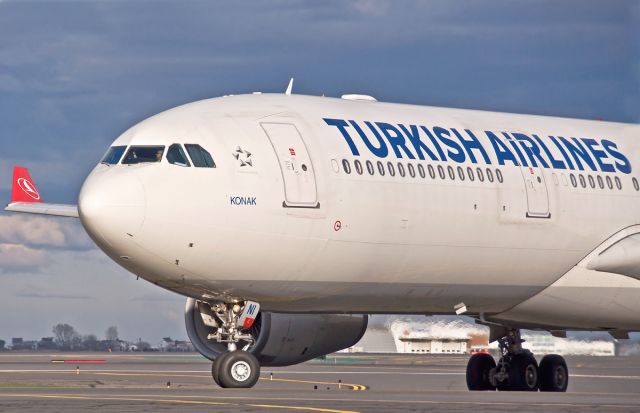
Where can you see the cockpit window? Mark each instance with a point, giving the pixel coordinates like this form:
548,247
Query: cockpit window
113,155
176,155
200,157
140,154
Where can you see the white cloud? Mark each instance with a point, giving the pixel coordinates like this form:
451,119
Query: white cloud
54,232
16,257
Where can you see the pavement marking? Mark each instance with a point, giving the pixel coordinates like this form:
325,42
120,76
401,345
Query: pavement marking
354,387
177,401
313,409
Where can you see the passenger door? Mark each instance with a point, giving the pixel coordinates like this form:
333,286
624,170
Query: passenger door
298,175
537,194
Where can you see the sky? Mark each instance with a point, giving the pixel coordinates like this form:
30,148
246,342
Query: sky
76,74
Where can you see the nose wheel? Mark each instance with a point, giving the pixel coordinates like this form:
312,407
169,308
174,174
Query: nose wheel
236,369
517,369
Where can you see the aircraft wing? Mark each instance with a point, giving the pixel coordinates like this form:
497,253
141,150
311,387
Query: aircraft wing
26,198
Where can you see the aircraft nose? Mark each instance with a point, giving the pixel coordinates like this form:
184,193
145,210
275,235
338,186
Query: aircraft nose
112,206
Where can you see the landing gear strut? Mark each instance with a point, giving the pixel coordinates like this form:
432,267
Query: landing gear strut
236,368
517,369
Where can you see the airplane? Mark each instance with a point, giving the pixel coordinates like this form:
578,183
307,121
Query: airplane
287,219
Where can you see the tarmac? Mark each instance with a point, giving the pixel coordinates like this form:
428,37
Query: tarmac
168,382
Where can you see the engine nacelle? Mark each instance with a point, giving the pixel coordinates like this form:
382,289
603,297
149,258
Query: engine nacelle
283,339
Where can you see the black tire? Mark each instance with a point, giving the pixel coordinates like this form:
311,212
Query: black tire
523,373
554,374
238,369
479,372
215,367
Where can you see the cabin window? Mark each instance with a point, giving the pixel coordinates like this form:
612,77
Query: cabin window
391,169
500,177
452,173
583,183
143,154
470,173
401,169
380,168
635,184
600,182
370,167
199,156
592,183
432,172
489,175
113,155
480,175
609,182
618,183
346,166
177,156
441,172
358,166
573,180
421,171
460,173
412,171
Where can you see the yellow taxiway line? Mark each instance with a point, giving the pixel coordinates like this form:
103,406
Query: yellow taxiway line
178,401
350,386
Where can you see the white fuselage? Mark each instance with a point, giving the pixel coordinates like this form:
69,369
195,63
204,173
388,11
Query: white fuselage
280,221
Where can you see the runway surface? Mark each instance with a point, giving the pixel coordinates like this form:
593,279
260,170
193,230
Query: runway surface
143,382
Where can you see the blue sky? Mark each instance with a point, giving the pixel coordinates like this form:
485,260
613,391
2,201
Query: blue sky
74,75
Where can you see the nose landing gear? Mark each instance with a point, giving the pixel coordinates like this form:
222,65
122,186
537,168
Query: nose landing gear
236,368
517,369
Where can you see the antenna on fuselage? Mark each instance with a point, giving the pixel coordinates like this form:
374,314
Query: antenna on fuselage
289,87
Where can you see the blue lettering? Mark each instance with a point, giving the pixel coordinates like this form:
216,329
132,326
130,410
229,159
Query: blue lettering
342,127
578,152
414,137
242,200
380,152
502,151
457,154
471,144
555,163
394,137
516,148
598,154
532,150
612,148
435,143
562,151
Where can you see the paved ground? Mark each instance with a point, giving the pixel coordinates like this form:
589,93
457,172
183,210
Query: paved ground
412,383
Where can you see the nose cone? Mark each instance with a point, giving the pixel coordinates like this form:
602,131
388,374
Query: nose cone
112,207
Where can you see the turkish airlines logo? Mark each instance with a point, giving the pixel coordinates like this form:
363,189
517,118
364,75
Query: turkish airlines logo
28,188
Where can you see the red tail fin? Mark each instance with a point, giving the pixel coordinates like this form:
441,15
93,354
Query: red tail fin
24,190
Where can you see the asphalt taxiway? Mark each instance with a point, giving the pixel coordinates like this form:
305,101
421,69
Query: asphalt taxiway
143,382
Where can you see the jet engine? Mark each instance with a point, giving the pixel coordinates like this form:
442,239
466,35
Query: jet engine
280,339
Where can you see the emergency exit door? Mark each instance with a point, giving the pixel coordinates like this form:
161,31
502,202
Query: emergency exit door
298,176
537,194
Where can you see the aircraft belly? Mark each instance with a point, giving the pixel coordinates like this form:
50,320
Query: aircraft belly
582,299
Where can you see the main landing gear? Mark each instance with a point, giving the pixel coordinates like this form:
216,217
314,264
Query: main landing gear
517,369
236,368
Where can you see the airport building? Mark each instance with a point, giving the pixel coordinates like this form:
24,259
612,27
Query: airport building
457,336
